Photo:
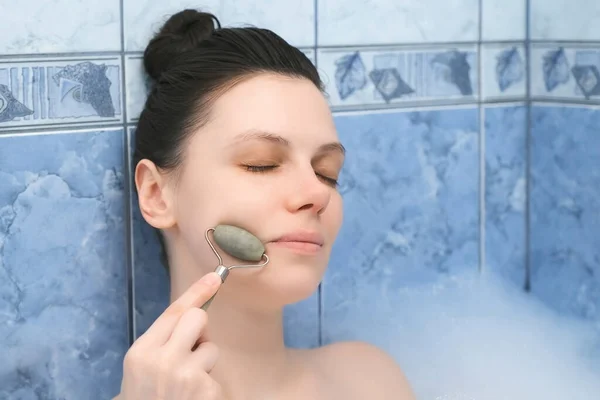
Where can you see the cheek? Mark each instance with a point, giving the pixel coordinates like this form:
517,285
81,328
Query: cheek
334,215
223,200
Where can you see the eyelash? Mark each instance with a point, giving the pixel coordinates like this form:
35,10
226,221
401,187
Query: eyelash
267,168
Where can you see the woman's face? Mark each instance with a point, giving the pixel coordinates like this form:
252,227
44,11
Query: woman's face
267,161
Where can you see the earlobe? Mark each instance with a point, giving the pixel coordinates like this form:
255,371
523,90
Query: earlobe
154,195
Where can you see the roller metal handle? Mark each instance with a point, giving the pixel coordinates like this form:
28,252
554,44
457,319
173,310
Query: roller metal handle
223,272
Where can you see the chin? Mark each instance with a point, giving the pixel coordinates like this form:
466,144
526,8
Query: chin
295,286
283,281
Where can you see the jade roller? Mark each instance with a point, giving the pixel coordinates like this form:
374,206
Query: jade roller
238,243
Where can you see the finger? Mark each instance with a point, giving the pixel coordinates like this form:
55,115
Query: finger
195,296
188,330
205,356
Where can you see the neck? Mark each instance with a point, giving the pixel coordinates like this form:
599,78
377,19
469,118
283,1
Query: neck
253,357
252,354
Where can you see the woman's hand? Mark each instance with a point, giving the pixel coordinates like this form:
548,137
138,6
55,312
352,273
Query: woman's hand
172,359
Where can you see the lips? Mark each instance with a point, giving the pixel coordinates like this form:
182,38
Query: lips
302,237
308,243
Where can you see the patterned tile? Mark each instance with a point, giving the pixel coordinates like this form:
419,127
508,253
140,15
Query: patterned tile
503,72
45,26
376,77
390,21
411,204
505,191
570,73
63,292
564,203
62,91
294,20
565,19
503,20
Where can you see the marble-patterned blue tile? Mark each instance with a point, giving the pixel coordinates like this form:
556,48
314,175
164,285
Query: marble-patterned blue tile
389,77
505,191
389,21
63,290
503,20
564,20
503,71
45,26
292,20
410,190
564,203
60,91
570,73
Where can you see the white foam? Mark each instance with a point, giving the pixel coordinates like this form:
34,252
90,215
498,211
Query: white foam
479,338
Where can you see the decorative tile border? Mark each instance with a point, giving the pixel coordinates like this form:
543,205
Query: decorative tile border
388,77
503,72
60,91
565,72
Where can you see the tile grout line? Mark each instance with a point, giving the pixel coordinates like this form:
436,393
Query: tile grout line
482,177
527,272
131,326
52,128
130,241
24,130
368,46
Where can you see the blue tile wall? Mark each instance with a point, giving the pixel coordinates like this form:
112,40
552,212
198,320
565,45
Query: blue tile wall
565,203
410,191
564,20
506,191
472,136
63,302
390,22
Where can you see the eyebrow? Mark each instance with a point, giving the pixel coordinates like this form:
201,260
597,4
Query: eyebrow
280,140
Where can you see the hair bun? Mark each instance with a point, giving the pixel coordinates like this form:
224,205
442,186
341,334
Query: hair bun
180,33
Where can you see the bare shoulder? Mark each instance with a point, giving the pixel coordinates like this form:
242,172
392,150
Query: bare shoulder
365,371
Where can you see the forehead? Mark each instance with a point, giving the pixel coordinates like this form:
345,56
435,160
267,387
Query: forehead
291,107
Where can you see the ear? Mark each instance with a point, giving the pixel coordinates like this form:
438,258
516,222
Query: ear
155,196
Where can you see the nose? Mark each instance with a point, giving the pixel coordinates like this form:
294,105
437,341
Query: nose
308,193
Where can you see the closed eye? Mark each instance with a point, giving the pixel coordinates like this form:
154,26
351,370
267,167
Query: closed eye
260,168
330,181
266,168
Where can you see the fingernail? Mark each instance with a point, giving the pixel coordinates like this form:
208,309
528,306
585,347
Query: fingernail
212,279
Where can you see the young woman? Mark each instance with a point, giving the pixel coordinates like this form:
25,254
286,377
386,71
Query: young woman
237,131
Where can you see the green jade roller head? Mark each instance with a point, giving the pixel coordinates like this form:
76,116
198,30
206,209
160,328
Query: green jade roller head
238,243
